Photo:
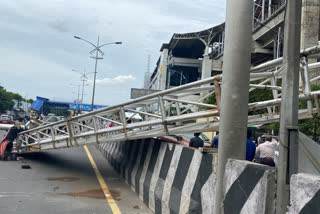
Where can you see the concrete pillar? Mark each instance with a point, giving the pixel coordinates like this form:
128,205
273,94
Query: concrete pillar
206,65
235,86
310,23
163,69
288,151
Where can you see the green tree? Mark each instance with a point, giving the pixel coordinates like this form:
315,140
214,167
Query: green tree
6,102
7,97
310,127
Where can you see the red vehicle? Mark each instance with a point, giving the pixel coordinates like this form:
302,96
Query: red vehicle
6,119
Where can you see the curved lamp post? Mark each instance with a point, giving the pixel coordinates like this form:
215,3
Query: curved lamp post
97,50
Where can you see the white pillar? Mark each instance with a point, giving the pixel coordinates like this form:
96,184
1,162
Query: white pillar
163,69
206,66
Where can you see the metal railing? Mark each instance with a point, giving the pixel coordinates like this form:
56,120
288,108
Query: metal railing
172,111
263,10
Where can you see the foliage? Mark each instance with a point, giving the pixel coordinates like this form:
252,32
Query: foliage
5,100
7,97
211,99
173,111
310,127
254,96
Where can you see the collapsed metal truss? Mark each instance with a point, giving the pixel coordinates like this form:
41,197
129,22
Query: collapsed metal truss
172,111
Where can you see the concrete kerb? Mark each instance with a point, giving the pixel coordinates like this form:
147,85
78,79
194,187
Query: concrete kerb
304,194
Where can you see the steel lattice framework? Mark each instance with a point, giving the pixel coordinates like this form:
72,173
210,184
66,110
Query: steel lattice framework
205,36
171,111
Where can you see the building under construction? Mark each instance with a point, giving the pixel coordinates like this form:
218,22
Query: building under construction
189,57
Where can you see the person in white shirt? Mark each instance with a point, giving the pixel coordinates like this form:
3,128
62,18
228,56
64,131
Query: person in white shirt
266,151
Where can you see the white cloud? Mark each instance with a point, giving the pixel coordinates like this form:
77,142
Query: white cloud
121,79
39,51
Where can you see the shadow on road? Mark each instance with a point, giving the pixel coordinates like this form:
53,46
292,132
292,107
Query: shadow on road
73,161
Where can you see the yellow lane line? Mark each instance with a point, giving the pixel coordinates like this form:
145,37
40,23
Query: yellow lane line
115,209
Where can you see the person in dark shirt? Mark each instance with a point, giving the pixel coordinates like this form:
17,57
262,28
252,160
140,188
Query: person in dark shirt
196,141
251,147
215,141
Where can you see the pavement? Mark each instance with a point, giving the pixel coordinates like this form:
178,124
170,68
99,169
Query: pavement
63,181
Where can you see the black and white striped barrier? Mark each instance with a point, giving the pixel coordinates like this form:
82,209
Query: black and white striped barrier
175,179
249,188
304,194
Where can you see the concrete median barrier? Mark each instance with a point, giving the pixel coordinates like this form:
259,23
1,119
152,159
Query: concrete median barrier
167,177
172,178
304,194
249,188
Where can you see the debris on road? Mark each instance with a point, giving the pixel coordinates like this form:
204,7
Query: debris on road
25,166
136,207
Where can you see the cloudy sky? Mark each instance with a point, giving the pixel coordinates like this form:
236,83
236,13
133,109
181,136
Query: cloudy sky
38,51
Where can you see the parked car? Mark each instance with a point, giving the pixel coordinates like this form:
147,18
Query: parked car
6,119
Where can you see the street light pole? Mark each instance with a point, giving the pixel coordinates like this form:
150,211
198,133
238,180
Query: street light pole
83,78
97,49
78,93
94,78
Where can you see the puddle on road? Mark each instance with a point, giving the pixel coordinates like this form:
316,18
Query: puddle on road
64,179
94,193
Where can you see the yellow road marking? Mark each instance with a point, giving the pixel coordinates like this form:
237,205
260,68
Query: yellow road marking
115,209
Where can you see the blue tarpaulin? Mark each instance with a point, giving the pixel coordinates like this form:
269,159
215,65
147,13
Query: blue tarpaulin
37,104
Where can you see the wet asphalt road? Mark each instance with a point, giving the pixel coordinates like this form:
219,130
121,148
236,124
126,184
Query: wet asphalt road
63,181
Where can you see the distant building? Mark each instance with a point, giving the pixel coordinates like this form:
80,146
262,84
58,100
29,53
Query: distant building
44,105
189,57
22,105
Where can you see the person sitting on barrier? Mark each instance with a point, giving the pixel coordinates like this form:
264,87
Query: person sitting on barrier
196,141
266,151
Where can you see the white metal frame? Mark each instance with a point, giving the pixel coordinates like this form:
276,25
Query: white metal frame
155,110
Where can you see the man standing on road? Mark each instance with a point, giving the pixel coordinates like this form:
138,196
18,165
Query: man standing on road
266,151
196,141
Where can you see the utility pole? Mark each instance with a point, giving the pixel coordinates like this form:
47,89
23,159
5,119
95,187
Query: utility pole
235,87
95,74
288,153
83,79
96,49
78,95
